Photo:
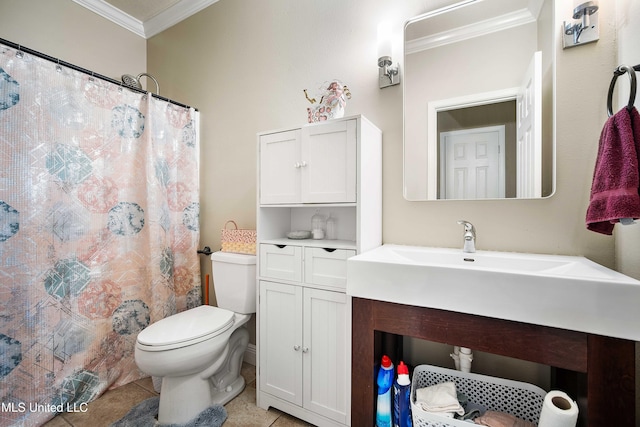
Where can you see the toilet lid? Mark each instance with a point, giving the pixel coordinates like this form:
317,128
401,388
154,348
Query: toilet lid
191,325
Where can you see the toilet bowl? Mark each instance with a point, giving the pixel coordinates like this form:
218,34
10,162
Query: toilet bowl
198,353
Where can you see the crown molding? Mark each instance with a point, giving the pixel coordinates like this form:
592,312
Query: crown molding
114,15
488,26
153,26
176,13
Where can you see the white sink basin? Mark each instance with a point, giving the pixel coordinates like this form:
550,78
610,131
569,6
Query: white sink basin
567,292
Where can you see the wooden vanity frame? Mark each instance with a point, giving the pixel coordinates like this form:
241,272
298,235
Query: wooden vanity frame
609,363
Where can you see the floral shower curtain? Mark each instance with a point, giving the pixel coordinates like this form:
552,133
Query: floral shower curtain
99,227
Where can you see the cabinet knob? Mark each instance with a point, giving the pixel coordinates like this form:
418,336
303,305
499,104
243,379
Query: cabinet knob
303,164
296,347
305,350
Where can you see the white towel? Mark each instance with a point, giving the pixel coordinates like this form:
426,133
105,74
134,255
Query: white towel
439,398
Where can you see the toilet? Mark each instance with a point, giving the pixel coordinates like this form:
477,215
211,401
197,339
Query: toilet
198,353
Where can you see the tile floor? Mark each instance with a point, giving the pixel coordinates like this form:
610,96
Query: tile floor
114,404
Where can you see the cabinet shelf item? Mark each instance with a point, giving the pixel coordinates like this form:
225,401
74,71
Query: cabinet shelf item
303,322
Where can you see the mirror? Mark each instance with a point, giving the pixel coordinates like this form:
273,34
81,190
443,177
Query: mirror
479,101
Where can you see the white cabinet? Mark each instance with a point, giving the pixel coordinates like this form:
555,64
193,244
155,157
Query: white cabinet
311,165
305,348
304,315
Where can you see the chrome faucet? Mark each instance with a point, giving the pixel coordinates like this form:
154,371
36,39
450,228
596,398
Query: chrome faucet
469,236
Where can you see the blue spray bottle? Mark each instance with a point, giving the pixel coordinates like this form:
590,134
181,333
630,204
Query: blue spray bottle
385,381
402,398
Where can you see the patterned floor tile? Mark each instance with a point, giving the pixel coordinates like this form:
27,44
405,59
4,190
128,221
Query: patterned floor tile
110,407
114,404
243,412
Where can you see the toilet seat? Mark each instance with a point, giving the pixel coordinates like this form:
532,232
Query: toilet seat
186,328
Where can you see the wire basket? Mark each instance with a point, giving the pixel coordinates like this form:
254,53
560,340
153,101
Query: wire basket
516,398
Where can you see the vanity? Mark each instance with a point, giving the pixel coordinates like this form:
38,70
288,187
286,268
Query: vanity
568,313
562,311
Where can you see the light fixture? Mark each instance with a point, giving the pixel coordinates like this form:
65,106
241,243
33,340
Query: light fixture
388,75
584,31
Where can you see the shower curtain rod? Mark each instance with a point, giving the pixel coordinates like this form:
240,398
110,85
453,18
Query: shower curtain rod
85,71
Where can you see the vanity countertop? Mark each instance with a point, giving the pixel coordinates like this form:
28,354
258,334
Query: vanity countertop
567,292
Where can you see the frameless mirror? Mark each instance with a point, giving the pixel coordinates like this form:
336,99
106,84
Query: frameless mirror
479,101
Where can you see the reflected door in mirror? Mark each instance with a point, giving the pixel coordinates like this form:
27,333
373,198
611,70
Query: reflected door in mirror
472,163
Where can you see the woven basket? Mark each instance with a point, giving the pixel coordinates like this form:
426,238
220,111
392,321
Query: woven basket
240,241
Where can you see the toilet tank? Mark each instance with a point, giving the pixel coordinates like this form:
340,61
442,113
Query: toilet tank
234,281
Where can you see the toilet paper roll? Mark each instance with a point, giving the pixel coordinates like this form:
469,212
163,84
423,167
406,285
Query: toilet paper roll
558,410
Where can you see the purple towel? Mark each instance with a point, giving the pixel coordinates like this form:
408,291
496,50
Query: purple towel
616,179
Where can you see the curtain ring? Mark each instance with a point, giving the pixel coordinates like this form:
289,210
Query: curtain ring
632,91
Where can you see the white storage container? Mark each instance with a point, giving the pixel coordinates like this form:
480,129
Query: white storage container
516,398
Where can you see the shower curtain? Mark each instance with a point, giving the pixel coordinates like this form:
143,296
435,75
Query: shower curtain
99,227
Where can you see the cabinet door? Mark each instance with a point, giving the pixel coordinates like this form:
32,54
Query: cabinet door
281,341
329,162
326,267
326,358
280,168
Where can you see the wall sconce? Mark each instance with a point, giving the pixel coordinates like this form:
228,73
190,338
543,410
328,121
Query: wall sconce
388,75
584,31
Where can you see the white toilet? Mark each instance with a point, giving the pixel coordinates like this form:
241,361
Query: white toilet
198,352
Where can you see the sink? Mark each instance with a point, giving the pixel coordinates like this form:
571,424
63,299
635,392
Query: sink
510,262
568,292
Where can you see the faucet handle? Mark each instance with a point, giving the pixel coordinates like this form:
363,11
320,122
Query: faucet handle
467,225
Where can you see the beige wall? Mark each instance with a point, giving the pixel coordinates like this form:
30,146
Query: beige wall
244,65
71,33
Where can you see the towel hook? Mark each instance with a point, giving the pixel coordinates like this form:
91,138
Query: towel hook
632,92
